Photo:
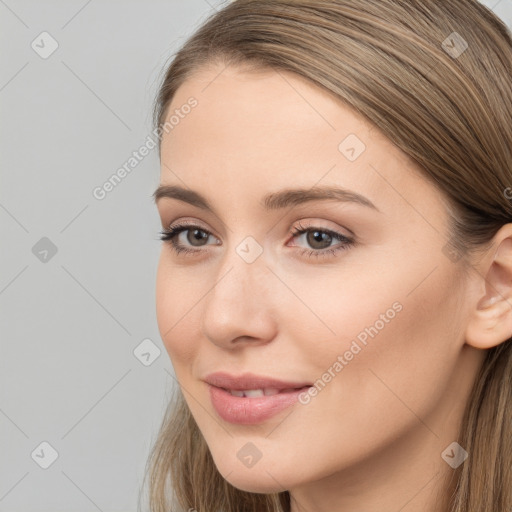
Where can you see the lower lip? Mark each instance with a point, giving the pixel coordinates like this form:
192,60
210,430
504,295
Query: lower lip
251,410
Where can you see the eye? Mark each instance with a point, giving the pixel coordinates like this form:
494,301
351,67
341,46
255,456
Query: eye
318,238
196,236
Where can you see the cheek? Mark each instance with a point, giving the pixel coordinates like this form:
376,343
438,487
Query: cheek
176,299
395,348
341,312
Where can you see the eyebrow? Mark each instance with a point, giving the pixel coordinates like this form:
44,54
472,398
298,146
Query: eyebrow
273,200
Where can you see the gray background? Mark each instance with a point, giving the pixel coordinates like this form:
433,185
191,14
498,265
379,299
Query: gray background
70,321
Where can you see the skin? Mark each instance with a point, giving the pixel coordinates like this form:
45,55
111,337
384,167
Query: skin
372,438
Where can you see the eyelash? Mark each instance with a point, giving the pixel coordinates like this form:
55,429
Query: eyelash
169,235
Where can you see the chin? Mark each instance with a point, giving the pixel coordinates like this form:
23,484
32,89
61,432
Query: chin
254,479
257,483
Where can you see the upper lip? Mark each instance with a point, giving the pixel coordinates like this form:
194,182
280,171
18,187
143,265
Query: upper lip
250,381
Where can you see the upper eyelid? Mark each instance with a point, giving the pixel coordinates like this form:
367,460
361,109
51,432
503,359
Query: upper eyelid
197,223
305,211
183,226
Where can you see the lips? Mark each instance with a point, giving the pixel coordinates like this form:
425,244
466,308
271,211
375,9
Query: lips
250,399
250,381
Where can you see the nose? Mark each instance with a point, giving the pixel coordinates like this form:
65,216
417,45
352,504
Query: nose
239,309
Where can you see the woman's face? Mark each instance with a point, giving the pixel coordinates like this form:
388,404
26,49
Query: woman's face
366,306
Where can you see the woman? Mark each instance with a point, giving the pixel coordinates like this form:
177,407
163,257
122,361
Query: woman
334,290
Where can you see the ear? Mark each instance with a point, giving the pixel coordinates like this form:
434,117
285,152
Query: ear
491,318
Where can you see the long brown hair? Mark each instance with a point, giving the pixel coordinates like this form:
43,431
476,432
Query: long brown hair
435,77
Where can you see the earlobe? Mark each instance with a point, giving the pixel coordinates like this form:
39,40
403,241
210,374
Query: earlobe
490,323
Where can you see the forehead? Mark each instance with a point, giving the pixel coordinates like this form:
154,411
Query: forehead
255,131
261,109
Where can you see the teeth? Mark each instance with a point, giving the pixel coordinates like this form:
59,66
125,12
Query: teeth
254,393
